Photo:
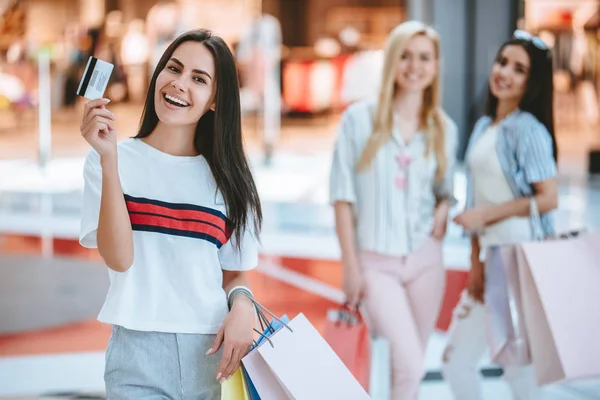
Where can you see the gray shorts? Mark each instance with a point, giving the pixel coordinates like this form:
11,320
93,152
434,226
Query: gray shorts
155,365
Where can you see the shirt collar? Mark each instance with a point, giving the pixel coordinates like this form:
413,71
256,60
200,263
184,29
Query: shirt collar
400,140
506,121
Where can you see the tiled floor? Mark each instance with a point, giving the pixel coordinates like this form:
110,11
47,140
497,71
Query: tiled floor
299,271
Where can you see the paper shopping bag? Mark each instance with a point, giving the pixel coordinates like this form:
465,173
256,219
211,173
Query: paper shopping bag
272,327
235,387
505,323
348,335
252,393
297,363
562,306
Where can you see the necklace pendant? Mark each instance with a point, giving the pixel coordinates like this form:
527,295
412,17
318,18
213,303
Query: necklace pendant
404,159
401,182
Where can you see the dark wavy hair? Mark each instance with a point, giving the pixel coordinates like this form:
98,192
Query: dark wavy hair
218,134
539,93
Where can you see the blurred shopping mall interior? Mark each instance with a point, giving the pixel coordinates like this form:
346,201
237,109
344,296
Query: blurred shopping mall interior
323,55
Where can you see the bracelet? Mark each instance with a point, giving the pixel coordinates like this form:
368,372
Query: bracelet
243,290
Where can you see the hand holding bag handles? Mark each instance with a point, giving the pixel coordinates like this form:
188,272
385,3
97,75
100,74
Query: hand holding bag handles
297,363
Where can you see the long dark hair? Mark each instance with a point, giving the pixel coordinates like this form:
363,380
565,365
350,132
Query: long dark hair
218,134
539,93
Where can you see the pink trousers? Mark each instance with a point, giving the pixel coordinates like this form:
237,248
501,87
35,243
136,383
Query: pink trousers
402,301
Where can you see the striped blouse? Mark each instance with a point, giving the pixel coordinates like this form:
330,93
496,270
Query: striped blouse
524,149
390,220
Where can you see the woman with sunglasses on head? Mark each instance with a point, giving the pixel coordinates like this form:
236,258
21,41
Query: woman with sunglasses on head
391,183
511,157
175,214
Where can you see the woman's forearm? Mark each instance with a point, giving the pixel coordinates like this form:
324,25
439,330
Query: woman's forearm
520,207
475,250
346,233
233,279
115,237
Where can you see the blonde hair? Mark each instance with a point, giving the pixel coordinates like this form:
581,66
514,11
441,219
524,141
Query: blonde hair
431,118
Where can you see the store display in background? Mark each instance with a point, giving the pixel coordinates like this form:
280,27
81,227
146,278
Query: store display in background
373,23
92,12
322,85
304,88
135,53
361,76
12,22
316,86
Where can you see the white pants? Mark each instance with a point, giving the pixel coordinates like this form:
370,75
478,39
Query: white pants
467,344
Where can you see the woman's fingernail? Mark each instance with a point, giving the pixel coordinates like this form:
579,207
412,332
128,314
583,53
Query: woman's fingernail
208,352
219,377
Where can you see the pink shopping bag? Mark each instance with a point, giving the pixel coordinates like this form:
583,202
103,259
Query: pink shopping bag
561,304
348,335
299,364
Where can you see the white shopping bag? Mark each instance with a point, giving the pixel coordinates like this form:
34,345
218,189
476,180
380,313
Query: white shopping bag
298,364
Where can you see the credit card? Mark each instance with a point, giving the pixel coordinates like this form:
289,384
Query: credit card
95,79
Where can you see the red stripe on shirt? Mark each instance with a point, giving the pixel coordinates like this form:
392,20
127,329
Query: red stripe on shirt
179,214
189,226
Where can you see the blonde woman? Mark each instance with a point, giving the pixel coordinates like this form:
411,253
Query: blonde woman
391,181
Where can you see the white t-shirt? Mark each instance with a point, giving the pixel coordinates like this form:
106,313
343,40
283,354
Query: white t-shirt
181,244
490,188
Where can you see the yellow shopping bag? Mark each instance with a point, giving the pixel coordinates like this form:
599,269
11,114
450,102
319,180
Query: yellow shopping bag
235,387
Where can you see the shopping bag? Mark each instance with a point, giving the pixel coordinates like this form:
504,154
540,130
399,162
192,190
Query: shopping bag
268,328
252,393
505,323
271,327
297,363
235,387
561,304
347,334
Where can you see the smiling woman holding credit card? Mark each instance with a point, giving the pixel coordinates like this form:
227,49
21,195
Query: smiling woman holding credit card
176,216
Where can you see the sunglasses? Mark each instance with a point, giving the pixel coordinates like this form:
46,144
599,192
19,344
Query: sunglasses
526,36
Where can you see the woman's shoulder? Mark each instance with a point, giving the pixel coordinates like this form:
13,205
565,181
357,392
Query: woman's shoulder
125,148
529,130
360,109
527,122
356,122
449,124
127,144
132,149
482,122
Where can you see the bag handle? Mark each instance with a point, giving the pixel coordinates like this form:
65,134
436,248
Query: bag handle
537,227
260,309
263,336
351,315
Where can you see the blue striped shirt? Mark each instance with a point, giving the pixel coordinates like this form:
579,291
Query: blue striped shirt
524,149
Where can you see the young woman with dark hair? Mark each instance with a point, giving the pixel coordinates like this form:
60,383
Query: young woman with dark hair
175,214
511,158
